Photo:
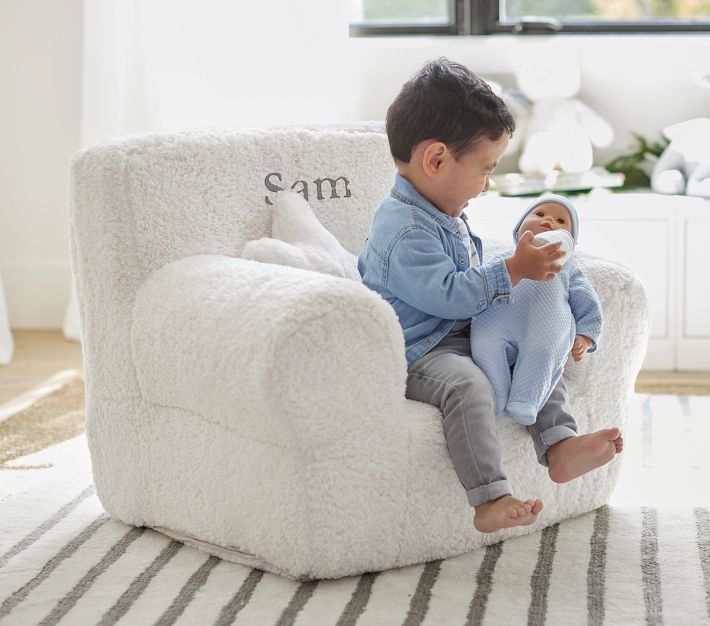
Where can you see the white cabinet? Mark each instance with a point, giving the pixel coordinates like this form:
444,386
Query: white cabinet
663,239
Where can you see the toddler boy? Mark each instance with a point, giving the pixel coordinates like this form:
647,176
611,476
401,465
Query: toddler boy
447,131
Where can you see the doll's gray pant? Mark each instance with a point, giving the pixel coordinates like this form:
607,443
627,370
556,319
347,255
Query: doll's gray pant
447,378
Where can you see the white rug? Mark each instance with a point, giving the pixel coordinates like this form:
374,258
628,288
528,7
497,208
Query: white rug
643,559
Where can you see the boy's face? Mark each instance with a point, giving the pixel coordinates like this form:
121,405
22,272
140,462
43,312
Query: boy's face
460,180
546,217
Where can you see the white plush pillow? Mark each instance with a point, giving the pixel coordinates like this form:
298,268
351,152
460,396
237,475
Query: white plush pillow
300,240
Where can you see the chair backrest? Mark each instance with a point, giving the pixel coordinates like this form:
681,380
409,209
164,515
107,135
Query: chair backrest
141,202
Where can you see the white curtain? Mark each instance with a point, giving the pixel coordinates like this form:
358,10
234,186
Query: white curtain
164,65
7,344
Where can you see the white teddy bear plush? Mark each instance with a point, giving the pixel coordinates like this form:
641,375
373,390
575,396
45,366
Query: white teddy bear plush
561,129
519,107
684,166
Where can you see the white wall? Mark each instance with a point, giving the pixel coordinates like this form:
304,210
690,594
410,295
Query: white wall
276,63
175,64
40,87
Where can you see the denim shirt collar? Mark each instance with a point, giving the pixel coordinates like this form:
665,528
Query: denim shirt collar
404,191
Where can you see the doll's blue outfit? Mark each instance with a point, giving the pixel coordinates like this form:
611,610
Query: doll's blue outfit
522,345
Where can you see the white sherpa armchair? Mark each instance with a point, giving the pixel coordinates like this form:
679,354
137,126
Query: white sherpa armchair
258,411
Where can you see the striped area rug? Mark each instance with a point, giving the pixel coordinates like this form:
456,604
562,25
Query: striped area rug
634,561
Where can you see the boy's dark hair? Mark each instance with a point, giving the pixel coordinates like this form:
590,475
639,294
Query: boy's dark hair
445,101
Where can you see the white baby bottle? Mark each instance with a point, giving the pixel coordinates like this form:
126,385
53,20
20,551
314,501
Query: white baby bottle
553,236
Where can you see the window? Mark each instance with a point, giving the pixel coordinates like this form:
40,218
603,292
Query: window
394,17
481,17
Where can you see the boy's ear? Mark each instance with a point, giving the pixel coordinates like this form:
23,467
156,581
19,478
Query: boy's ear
433,157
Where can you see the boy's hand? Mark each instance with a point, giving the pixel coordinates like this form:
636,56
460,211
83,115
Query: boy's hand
532,262
580,346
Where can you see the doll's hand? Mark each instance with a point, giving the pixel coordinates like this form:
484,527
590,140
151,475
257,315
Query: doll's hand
580,346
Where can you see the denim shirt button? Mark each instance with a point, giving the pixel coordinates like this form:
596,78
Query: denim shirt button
428,341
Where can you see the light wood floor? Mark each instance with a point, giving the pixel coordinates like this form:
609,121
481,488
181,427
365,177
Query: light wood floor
40,354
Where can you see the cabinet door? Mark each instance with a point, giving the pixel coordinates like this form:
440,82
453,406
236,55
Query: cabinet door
644,247
497,230
694,278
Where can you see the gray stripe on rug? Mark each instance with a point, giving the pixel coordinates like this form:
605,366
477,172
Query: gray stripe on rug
240,599
540,579
187,593
688,421
702,522
70,548
646,433
419,606
650,569
46,525
139,584
358,601
298,601
87,580
596,573
484,584
684,402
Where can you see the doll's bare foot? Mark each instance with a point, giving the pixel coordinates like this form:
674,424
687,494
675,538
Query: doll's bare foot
574,457
505,512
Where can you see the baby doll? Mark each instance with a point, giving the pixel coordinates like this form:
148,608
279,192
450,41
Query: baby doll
522,346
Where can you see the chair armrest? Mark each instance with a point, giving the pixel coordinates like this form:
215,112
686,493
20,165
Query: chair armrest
607,376
305,371
279,355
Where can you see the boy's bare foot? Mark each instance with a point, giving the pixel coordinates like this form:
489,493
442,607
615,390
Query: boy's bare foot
574,457
505,512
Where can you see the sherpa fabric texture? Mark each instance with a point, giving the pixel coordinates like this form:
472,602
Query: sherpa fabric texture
257,410
298,239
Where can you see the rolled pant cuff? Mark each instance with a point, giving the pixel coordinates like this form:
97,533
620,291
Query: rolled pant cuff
549,438
486,493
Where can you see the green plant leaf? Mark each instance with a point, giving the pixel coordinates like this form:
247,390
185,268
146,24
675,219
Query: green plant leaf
628,164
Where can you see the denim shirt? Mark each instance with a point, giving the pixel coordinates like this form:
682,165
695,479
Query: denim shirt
414,258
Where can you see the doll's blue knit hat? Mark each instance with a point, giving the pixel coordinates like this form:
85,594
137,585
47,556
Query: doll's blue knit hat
551,197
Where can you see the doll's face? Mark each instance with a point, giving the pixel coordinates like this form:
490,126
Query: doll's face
546,217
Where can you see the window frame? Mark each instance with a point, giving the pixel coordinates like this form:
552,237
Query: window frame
482,17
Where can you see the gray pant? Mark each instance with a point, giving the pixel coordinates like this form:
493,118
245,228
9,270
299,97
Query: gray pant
447,377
